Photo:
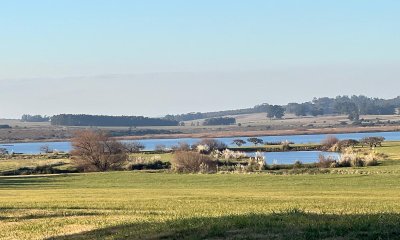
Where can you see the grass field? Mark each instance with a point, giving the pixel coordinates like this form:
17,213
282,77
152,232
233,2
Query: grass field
361,203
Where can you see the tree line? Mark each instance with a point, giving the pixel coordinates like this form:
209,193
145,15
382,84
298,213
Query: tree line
34,118
101,120
353,106
219,121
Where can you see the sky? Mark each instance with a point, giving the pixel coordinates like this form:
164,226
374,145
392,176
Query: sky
157,57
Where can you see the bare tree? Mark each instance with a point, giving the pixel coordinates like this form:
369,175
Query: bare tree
329,142
3,151
160,148
46,149
96,151
133,147
182,146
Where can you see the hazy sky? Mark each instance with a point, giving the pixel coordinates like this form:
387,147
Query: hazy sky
153,57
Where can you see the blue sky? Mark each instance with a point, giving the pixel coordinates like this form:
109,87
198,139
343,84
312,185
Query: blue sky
151,57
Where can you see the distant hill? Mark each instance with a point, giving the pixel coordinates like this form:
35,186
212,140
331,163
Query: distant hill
195,116
353,106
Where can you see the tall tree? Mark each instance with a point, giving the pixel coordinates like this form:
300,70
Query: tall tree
96,151
275,111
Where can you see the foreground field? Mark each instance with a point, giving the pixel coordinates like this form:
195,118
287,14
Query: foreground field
137,205
349,203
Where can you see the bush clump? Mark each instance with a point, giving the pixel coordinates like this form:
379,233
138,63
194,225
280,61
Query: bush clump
151,165
325,161
350,158
329,142
193,162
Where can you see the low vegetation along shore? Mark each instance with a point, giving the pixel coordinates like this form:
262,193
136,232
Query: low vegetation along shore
95,151
246,198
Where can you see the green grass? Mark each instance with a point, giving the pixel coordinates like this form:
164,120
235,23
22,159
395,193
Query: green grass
14,164
165,157
362,203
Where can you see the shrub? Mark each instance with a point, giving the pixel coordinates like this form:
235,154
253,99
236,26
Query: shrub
357,162
352,159
192,162
371,159
3,151
203,149
298,164
334,165
160,148
325,162
151,165
285,145
345,161
256,163
209,145
229,154
182,146
329,142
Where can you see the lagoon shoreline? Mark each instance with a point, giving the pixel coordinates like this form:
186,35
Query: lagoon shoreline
231,134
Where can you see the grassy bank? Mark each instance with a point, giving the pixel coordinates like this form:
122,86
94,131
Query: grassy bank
279,148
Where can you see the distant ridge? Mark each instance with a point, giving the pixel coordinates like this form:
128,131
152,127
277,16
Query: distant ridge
360,105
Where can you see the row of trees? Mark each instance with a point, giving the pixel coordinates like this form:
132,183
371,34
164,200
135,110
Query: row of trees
34,118
98,120
219,121
352,106
253,140
332,143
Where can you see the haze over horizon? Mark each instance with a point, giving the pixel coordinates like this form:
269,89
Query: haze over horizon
154,58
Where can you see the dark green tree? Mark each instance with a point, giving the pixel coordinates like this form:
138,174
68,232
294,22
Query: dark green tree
239,142
255,141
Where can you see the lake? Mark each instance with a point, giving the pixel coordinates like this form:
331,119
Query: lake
292,157
280,157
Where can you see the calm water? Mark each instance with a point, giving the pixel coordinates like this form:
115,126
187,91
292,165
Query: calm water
34,148
292,157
